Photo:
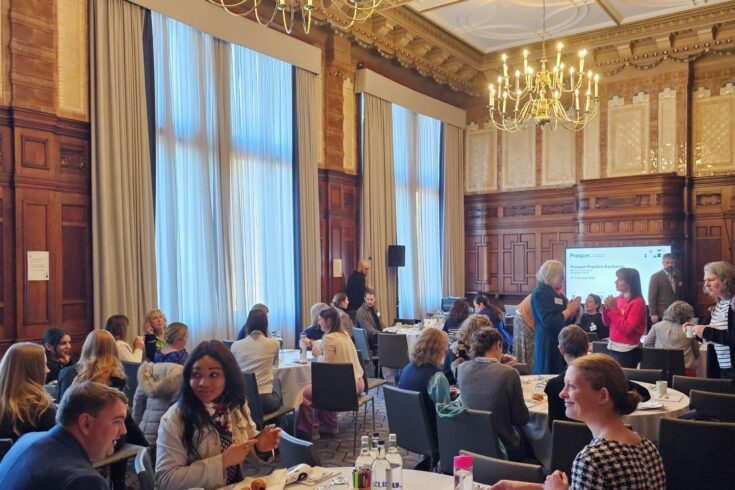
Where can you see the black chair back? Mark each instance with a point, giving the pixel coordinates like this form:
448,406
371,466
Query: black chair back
489,471
131,384
567,439
685,384
333,387
600,347
644,375
392,350
522,368
679,441
592,336
5,445
253,398
670,360
294,451
472,430
407,418
713,406
144,470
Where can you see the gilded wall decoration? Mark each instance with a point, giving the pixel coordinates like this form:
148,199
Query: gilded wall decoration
628,136
591,150
73,79
481,160
558,162
714,134
519,159
668,154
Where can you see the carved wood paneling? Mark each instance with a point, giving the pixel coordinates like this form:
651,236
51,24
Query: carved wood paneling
339,227
76,258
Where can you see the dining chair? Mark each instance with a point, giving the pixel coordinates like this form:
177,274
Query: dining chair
256,408
392,350
144,470
131,381
644,375
295,451
489,471
409,420
685,384
363,348
5,445
567,439
600,347
671,361
471,430
333,389
712,406
522,368
697,454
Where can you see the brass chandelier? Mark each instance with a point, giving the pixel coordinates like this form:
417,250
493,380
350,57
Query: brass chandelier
342,14
544,97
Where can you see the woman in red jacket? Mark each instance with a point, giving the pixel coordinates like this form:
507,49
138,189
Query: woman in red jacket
626,317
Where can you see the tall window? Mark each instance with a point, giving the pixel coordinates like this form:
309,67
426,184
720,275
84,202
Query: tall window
224,182
417,161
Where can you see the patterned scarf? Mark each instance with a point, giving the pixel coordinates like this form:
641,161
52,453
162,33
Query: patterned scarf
222,422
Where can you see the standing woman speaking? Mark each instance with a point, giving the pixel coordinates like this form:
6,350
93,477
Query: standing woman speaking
626,315
551,310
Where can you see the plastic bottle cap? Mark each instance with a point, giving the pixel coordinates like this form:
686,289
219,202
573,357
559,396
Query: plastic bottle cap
463,462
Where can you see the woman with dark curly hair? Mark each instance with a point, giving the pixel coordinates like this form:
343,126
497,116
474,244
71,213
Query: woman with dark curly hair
57,343
457,314
205,437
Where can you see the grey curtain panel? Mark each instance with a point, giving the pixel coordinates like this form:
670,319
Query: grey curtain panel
453,204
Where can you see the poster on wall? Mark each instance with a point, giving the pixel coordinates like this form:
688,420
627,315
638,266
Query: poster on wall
38,265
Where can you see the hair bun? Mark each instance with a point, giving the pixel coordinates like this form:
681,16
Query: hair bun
629,402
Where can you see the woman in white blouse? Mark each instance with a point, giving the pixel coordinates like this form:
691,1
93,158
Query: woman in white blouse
336,348
257,353
117,325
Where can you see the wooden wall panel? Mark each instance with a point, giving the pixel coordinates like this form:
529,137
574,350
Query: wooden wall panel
339,225
45,205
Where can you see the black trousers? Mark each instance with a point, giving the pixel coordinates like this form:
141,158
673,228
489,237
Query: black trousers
628,359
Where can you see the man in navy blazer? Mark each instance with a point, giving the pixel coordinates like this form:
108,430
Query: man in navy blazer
90,418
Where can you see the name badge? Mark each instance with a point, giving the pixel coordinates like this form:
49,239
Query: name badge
593,328
558,301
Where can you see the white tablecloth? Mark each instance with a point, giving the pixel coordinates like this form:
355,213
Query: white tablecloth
412,335
645,422
294,377
412,480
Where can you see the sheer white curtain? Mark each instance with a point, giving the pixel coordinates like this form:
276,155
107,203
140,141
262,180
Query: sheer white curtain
417,167
224,183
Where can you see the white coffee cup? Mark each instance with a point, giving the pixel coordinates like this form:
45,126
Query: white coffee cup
661,388
690,331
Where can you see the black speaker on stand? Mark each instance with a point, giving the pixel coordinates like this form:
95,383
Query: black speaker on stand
397,258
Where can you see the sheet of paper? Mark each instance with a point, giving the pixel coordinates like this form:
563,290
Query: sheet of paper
38,266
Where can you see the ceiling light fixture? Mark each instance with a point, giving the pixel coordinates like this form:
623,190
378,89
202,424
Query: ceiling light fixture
544,97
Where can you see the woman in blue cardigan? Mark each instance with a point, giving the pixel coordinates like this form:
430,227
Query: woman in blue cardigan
551,311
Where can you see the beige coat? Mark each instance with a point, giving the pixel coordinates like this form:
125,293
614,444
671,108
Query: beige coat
176,470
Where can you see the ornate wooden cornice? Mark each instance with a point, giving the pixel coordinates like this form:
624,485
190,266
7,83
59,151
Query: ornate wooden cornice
401,34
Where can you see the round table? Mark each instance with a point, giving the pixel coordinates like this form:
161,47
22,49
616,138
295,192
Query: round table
645,422
294,376
412,335
412,480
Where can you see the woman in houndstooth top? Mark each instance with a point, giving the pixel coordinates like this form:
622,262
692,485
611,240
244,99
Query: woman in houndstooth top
596,393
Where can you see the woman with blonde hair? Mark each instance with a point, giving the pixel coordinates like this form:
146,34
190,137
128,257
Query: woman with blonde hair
177,336
154,325
25,406
99,362
459,350
424,375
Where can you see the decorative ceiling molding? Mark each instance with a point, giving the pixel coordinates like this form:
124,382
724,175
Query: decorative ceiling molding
417,43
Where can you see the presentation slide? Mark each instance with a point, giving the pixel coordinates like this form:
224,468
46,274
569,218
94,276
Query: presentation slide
592,270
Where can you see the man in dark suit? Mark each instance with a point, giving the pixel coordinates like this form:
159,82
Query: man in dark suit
664,288
90,418
356,285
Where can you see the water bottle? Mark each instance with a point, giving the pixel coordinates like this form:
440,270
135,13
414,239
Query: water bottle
303,348
381,470
396,463
463,473
361,474
374,447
